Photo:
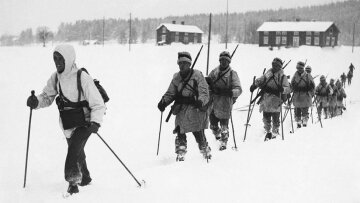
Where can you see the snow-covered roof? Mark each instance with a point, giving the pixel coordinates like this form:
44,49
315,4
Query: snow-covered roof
300,26
181,28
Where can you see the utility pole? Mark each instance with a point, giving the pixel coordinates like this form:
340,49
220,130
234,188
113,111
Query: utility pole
103,30
353,39
209,38
130,33
227,18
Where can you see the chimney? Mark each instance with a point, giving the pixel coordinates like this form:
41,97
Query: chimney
173,22
182,22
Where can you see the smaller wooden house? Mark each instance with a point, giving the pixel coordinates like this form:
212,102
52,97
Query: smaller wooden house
167,33
297,33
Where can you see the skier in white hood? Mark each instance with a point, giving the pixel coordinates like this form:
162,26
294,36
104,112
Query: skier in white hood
81,112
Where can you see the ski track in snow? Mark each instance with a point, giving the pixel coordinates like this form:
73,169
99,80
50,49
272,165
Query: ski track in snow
312,165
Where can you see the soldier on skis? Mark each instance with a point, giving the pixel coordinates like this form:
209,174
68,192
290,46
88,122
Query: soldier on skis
349,77
332,98
190,92
339,99
275,86
81,113
302,86
343,79
225,88
322,93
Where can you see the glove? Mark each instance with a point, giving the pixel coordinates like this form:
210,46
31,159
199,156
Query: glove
93,127
252,87
161,105
32,102
209,82
228,92
198,104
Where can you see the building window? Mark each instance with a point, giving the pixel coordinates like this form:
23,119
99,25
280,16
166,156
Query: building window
316,40
331,31
266,33
163,38
277,40
283,40
316,33
266,40
283,33
308,40
296,33
308,33
164,29
176,36
278,33
186,38
195,38
328,41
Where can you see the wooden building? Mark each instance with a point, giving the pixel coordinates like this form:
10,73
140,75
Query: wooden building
167,33
294,34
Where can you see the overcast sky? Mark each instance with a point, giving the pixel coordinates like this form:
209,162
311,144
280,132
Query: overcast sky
17,15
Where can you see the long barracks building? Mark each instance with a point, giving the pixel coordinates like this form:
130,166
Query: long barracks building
297,33
166,33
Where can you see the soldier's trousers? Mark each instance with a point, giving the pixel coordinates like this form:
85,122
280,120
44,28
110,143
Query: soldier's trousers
181,142
224,126
271,118
75,164
319,109
301,114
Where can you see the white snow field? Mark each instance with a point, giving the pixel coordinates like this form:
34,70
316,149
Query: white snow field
312,165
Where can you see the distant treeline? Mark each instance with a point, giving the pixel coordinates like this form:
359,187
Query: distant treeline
242,26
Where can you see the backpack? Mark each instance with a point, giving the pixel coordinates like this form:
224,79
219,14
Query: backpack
102,91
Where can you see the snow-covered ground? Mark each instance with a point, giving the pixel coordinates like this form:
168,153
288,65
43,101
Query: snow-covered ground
312,165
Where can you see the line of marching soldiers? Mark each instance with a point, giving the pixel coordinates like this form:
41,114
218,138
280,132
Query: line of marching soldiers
198,99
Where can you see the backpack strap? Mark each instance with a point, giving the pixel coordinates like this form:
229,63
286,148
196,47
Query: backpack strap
56,81
230,81
79,87
220,76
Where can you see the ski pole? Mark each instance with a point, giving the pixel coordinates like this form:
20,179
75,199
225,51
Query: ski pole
249,111
120,161
292,123
28,141
232,125
319,112
312,119
252,108
157,153
282,125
